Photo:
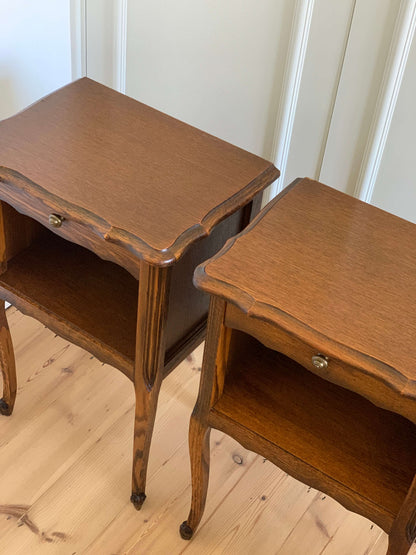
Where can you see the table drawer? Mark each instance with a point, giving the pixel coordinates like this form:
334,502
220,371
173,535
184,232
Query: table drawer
325,361
70,222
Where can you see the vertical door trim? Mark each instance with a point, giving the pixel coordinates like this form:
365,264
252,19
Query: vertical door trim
78,22
121,46
392,79
290,91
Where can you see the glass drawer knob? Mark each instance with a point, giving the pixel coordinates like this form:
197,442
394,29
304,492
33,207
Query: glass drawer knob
320,362
55,220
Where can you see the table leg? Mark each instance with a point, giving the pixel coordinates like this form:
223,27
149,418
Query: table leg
199,453
7,364
148,374
210,389
398,546
403,531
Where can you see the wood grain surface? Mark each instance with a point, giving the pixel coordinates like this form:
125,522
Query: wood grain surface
137,177
73,496
78,295
338,274
325,435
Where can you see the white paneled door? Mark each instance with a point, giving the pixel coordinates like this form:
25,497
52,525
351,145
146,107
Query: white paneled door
325,89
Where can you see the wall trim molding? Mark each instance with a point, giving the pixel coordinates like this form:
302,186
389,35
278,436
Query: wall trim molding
295,60
78,34
121,46
386,101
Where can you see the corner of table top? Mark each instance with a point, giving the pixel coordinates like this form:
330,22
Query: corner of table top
162,257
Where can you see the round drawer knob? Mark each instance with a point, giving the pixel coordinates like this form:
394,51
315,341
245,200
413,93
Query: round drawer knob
55,220
320,362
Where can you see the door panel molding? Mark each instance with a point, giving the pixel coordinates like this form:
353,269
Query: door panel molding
78,24
392,79
290,91
121,45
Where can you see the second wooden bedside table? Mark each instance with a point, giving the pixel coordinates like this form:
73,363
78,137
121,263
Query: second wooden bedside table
107,207
310,354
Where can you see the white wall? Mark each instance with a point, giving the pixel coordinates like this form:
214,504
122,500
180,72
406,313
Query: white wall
101,36
301,82
298,82
318,87
395,188
216,65
35,51
360,81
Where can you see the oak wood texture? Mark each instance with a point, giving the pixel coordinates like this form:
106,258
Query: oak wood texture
199,432
338,274
78,225
73,496
78,295
7,362
118,167
14,243
7,366
107,206
327,426
318,428
149,363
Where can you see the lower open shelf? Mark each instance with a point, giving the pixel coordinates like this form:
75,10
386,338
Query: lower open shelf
74,292
369,452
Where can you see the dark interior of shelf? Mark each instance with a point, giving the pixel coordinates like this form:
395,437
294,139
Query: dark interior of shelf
370,450
72,283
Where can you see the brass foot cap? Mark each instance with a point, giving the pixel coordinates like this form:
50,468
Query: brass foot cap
4,408
138,499
185,531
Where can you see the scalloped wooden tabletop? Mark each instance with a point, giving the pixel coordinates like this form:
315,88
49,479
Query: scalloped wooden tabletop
146,174
328,265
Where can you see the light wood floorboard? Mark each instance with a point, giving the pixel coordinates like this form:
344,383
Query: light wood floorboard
65,461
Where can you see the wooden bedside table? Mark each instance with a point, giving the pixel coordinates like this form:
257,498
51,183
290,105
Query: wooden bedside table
310,353
107,207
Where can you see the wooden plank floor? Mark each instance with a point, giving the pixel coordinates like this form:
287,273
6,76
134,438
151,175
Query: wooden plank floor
65,459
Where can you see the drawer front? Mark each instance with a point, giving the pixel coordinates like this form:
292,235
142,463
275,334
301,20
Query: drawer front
70,226
323,361
278,339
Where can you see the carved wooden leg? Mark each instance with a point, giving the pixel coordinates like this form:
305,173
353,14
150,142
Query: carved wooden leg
8,368
148,374
199,452
210,389
398,545
146,405
403,531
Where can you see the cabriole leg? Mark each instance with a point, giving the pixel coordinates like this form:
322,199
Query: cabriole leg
146,405
398,545
8,368
210,389
403,531
199,453
150,352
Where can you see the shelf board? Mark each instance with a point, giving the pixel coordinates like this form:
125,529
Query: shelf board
366,454
89,301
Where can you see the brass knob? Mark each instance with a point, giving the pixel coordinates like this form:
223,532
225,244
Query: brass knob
55,220
320,362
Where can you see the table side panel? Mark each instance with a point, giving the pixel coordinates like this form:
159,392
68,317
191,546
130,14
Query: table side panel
188,306
19,230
